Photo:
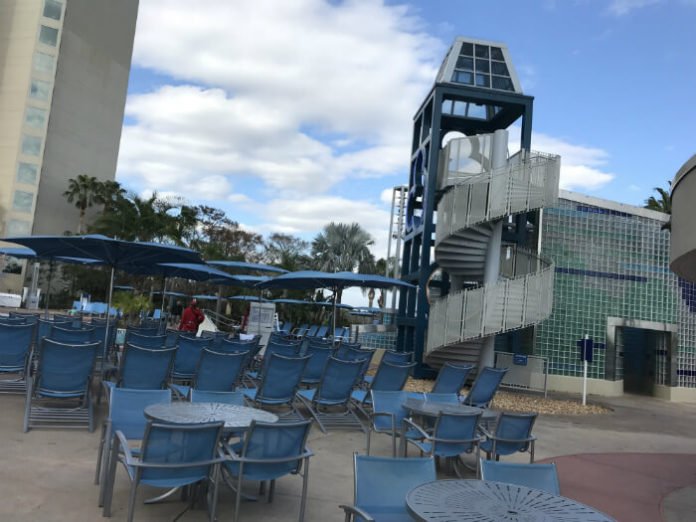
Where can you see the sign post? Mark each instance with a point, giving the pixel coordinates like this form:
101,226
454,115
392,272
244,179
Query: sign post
585,346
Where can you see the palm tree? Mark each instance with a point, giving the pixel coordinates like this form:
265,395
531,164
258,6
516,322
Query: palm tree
84,191
663,203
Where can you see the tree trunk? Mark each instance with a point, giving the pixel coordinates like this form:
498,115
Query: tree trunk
81,224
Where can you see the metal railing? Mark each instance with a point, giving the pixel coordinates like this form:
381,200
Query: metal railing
374,336
525,372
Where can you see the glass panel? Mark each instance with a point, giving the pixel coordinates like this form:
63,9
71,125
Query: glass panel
483,80
459,108
35,117
40,90
483,66
465,63
476,111
502,83
467,49
48,36
481,51
500,68
22,201
27,173
31,145
52,9
464,77
447,106
16,227
43,62
497,54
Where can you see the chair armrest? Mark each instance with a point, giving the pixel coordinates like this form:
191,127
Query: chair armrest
485,432
416,427
123,442
500,439
304,455
384,414
356,511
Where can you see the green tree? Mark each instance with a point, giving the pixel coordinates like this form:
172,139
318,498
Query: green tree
84,191
287,252
661,203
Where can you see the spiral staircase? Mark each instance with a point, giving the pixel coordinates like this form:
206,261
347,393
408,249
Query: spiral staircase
475,199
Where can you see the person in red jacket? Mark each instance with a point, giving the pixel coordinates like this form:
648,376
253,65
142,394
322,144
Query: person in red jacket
191,318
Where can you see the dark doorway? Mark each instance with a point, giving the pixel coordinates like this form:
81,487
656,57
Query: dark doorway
640,349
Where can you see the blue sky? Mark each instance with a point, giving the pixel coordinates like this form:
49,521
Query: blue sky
291,114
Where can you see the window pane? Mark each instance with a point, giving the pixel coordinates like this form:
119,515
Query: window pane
502,83
483,66
48,36
481,51
497,53
31,145
52,9
27,173
43,62
35,117
464,77
500,68
15,227
40,90
483,80
467,49
22,201
465,63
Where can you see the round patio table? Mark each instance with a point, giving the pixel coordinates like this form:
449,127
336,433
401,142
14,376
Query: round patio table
433,408
235,417
488,501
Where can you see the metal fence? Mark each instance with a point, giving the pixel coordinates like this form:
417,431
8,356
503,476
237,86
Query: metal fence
525,372
373,336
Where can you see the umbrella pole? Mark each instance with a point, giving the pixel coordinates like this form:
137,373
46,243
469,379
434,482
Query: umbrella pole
108,314
48,287
333,316
164,293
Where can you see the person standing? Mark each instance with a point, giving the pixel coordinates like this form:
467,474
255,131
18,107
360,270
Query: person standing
191,318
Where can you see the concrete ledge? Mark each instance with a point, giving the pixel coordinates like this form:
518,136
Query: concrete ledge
675,394
594,386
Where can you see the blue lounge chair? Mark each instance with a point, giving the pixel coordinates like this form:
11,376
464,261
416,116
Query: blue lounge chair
153,342
391,357
172,455
346,353
63,374
311,331
280,380
535,476
72,335
284,348
144,368
315,366
330,402
235,398
381,486
267,453
15,350
513,433
451,378
216,371
321,332
144,330
188,353
485,386
389,377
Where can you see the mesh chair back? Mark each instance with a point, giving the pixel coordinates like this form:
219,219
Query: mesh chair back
274,441
391,402
401,475
172,337
43,328
320,343
187,355
337,381
312,331
126,407
12,320
15,342
72,336
442,398
65,369
514,426
394,357
354,346
321,332
146,341
315,366
235,398
391,377
536,476
188,445
461,427
145,368
144,330
484,387
219,371
451,378
281,378
286,328
237,346
284,348
71,320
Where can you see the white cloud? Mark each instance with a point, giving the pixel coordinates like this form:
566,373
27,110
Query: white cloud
622,7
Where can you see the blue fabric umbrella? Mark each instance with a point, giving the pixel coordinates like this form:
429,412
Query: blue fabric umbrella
247,298
173,294
242,265
205,297
316,303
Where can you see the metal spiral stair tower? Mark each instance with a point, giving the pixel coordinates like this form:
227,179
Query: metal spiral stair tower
473,213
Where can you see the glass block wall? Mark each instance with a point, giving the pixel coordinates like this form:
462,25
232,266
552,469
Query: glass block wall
611,263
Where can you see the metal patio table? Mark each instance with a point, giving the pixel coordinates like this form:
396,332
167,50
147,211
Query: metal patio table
235,417
488,501
433,408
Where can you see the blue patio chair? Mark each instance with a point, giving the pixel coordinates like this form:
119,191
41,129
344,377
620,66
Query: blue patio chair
329,403
280,380
300,331
321,332
171,455
354,346
284,348
389,377
485,386
188,353
311,331
72,336
144,368
153,342
44,327
442,398
63,375
381,485
451,378
452,435
267,453
317,343
15,352
535,476
346,353
315,366
126,413
9,320
391,357
153,330
216,371
388,414
513,433
235,398
172,337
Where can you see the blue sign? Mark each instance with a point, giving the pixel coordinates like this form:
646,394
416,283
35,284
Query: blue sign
519,359
586,347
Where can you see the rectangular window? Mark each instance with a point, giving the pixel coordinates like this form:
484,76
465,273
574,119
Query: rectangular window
40,90
48,36
35,117
22,201
53,9
44,63
27,173
31,145
16,227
